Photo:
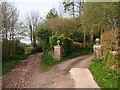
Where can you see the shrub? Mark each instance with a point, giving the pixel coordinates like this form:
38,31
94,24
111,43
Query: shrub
6,49
43,37
10,48
78,37
110,59
36,49
17,48
109,40
75,46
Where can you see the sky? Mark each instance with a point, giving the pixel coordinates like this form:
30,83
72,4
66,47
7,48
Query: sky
41,6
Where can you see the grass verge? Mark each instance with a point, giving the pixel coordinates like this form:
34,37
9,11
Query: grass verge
12,62
104,76
48,61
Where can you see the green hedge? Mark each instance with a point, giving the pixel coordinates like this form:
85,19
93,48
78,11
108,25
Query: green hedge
68,45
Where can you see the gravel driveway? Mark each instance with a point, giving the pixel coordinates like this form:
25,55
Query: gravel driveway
30,73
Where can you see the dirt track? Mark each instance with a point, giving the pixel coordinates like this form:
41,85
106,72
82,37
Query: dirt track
30,74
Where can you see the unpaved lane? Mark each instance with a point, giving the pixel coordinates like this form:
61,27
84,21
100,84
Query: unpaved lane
30,74
20,76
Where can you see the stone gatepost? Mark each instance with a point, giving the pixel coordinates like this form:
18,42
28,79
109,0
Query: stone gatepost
58,51
97,49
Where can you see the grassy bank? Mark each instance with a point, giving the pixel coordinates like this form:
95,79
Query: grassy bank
12,62
104,76
48,61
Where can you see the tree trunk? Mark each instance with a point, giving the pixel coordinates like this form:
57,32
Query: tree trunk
73,11
91,37
84,39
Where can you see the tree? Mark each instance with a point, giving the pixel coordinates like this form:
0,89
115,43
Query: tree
9,18
73,7
0,20
33,20
51,14
8,27
64,26
21,31
98,17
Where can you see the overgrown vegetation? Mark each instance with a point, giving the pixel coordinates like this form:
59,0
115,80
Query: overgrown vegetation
48,61
11,62
109,44
110,59
79,53
104,76
11,48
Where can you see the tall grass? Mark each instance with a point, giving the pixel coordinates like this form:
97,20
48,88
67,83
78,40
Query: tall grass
48,61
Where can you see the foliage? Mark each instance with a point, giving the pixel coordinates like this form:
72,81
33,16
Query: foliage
31,50
6,49
68,45
43,35
63,26
98,17
48,60
79,53
10,48
109,40
28,50
72,7
105,77
17,48
78,37
110,59
64,42
52,14
12,62
36,49
54,38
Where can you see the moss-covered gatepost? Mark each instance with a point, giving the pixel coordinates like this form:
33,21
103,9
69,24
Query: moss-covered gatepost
97,49
58,51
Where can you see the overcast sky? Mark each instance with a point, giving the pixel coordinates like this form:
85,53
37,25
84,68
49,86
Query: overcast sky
41,6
